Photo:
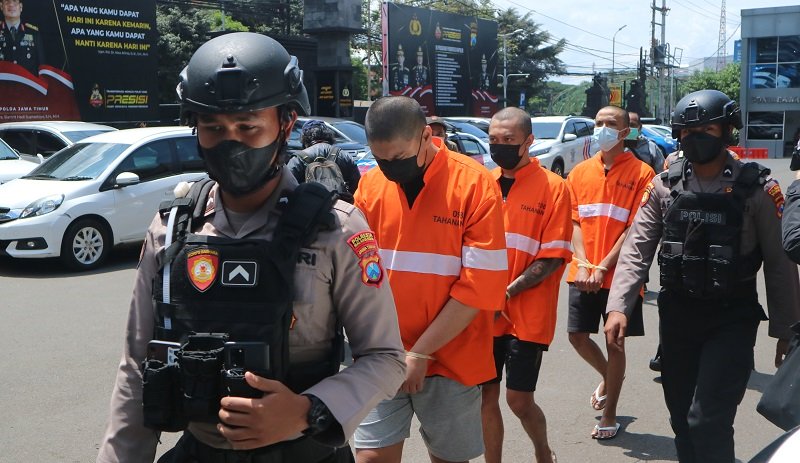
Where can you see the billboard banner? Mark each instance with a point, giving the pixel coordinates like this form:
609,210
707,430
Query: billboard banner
92,60
447,62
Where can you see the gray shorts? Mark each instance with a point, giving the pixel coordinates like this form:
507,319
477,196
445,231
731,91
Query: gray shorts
449,414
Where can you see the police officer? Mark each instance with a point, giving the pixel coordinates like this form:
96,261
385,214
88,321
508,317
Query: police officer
421,73
716,219
221,272
401,75
20,42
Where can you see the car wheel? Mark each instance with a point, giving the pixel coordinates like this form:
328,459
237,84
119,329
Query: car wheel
86,244
558,167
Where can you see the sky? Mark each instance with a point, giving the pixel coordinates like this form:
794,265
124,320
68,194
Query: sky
691,25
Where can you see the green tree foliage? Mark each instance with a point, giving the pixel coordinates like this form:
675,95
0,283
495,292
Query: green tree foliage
727,81
557,99
533,52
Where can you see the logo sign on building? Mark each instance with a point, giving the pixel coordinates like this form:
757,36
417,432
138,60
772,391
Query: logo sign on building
447,62
92,60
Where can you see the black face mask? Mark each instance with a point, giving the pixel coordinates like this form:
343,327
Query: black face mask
240,169
402,170
701,148
505,156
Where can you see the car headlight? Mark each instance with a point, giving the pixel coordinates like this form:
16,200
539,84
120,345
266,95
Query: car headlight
42,206
541,151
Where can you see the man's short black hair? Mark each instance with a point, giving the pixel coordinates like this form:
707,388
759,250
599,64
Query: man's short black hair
521,119
394,117
314,132
638,117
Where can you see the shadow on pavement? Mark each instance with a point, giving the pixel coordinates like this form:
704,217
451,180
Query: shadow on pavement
123,257
642,447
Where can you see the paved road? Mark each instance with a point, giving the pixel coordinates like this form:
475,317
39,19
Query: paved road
62,336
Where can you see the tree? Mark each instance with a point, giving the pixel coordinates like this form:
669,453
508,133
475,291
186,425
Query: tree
727,81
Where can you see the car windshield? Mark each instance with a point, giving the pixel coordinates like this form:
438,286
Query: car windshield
543,130
353,131
664,132
6,152
466,127
78,135
82,161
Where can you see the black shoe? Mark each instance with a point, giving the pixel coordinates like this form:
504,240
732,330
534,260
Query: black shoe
655,363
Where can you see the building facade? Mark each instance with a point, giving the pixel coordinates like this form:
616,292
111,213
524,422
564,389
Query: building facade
770,90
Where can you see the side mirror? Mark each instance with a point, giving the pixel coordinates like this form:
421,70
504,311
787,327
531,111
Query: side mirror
569,137
41,158
125,179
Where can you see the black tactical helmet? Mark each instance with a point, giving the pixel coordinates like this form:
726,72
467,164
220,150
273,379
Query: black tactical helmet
705,107
241,71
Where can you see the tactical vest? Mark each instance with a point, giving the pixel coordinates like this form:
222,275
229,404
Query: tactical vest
211,290
700,254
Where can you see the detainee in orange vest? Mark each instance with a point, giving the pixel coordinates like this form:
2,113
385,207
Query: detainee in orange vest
606,191
538,226
438,221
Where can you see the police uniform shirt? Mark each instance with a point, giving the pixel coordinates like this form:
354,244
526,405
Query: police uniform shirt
761,229
26,50
401,78
421,75
329,283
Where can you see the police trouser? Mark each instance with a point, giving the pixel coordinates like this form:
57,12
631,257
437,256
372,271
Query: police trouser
303,450
706,360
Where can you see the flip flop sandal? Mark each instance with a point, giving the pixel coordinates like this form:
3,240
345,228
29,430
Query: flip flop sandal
597,402
611,429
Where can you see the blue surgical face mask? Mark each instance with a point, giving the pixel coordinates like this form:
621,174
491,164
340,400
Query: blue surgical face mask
634,134
606,138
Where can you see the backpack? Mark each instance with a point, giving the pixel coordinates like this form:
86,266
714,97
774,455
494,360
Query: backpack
324,170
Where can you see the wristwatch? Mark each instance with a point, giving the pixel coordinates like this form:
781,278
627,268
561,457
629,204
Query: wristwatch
319,416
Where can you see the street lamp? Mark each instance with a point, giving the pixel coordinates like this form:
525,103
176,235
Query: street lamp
613,50
505,64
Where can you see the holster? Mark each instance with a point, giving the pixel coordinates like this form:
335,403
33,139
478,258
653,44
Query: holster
162,399
200,363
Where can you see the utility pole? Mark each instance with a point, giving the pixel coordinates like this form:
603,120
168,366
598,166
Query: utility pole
721,41
659,67
369,50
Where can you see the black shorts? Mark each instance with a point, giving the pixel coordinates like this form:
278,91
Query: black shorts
522,360
586,309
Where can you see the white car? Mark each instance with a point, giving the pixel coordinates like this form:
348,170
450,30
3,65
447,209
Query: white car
561,142
32,139
11,166
102,191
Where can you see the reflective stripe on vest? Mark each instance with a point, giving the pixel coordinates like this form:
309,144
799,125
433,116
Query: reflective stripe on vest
441,264
604,210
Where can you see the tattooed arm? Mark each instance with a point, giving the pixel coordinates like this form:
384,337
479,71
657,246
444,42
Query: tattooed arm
533,275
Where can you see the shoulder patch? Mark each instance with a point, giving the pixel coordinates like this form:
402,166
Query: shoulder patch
773,189
647,191
365,247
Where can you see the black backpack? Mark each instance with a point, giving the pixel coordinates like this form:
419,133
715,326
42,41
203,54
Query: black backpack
324,170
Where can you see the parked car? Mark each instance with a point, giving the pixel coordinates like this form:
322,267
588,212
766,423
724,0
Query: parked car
561,142
482,123
661,136
99,192
11,166
350,136
467,127
44,138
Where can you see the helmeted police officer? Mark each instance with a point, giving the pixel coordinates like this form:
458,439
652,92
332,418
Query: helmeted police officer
717,219
252,273
20,43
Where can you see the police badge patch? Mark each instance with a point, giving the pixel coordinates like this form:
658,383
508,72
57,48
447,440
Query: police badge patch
773,189
201,267
365,246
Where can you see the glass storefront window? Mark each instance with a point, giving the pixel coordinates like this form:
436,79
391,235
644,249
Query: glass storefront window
763,76
765,132
766,50
789,49
765,118
788,75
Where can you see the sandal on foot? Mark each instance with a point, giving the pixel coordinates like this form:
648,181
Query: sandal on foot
597,402
613,430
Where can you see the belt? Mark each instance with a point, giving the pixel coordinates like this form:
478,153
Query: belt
301,450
